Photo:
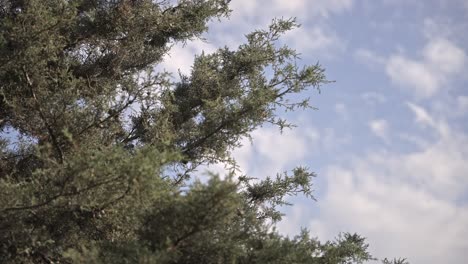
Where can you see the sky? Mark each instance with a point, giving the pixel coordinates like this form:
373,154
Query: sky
389,141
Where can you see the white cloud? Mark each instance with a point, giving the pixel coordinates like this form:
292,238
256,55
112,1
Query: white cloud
292,6
373,98
447,27
341,110
330,142
399,219
306,9
442,60
181,57
369,58
311,39
444,56
427,120
420,114
380,128
462,102
246,18
407,204
326,7
275,152
413,75
271,152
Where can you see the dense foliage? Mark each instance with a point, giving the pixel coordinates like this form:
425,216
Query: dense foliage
98,148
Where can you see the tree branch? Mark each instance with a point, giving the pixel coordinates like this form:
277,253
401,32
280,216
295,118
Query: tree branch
60,194
223,124
43,117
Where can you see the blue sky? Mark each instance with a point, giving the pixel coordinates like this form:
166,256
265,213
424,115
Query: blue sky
389,141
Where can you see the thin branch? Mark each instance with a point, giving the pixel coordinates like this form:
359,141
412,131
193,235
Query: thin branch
43,117
183,176
114,114
198,228
59,195
223,124
176,243
123,195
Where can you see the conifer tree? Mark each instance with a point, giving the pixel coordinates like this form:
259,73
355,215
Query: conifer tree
98,148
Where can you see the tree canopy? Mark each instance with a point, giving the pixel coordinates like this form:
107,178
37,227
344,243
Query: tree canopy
99,148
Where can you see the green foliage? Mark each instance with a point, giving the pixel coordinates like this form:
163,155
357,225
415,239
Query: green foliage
98,148
395,261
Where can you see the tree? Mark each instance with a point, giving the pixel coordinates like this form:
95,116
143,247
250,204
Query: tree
98,148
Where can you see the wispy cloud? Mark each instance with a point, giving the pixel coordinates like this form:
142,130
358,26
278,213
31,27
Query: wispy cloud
272,152
369,58
412,75
306,9
407,204
462,102
421,115
310,40
444,56
441,61
373,98
181,56
399,219
379,128
341,110
269,151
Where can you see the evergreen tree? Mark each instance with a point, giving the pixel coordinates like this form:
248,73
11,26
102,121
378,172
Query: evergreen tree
98,148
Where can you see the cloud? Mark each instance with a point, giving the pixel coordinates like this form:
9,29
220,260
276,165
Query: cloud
447,26
369,58
325,8
441,61
306,9
181,56
272,152
398,219
307,40
421,115
407,204
314,34
380,128
445,56
373,98
341,110
413,75
462,102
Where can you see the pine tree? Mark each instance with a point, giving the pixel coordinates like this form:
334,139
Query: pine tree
98,148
